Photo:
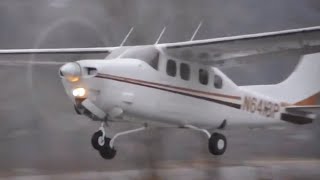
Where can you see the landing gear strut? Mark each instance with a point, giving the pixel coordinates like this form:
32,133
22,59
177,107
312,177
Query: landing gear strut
217,143
105,145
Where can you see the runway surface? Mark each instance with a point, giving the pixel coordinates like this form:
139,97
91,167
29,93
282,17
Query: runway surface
41,137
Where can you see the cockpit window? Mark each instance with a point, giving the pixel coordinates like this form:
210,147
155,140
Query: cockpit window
116,53
150,55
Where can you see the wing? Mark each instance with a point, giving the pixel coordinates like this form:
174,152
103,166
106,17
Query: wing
48,51
58,51
225,49
24,63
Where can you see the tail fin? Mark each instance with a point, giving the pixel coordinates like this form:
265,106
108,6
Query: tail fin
302,87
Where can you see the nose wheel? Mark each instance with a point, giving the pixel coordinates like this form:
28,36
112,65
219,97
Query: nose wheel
101,143
97,140
104,145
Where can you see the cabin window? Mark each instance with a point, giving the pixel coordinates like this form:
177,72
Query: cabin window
184,71
217,82
203,76
171,68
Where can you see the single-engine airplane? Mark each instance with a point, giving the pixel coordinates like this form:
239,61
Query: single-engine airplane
178,85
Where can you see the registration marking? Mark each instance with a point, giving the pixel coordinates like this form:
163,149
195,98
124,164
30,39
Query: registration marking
260,106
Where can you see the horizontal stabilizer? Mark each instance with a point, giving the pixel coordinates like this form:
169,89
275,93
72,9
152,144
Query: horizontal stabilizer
304,109
300,114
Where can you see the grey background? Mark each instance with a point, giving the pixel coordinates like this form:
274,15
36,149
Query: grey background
41,134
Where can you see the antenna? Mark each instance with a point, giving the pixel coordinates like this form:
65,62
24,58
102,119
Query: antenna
162,32
196,31
127,36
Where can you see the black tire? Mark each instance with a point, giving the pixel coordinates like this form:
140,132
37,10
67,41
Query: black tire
217,144
95,140
106,151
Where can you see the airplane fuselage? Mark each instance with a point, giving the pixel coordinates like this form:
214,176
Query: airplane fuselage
175,84
149,95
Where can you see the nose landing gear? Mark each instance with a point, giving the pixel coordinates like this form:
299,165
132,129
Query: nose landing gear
101,143
105,145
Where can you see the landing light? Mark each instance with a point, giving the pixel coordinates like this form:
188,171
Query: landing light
73,78
79,92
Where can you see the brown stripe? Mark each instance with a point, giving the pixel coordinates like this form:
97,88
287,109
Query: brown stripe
179,88
234,105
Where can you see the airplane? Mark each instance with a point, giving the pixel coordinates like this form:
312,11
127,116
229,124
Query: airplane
180,85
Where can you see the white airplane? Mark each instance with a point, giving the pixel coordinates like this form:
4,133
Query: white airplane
150,85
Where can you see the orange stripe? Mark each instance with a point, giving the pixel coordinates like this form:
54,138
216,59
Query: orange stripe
180,88
312,100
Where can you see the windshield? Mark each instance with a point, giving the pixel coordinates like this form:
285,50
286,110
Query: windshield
148,54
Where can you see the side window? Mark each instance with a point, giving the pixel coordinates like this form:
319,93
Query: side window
218,83
171,68
184,71
203,76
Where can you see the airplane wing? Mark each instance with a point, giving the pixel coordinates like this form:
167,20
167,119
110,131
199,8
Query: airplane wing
58,51
48,51
25,62
222,50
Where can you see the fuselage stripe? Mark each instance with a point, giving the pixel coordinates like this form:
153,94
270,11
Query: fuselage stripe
154,85
175,87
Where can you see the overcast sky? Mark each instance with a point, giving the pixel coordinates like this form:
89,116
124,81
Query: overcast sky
82,23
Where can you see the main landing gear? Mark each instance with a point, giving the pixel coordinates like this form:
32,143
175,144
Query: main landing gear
105,145
217,143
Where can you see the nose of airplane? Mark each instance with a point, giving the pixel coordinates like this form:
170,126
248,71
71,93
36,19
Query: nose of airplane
71,71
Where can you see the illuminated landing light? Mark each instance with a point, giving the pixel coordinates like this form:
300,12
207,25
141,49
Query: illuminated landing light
79,92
